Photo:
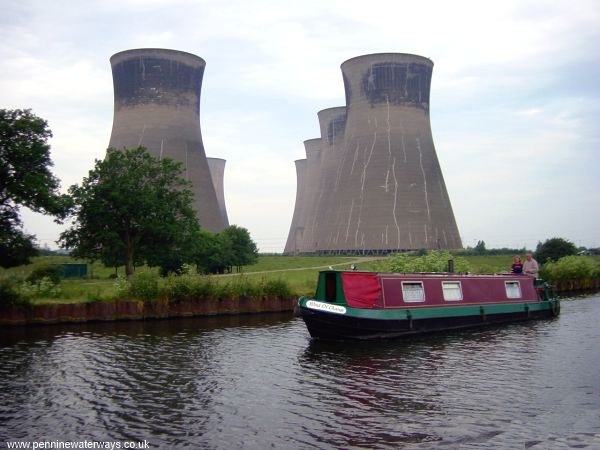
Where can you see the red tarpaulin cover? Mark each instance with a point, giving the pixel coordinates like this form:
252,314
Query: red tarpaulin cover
361,289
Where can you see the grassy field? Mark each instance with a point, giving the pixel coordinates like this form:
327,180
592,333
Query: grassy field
294,262
299,272
101,286
96,270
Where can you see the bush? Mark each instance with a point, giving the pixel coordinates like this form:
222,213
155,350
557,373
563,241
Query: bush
121,287
175,288
44,288
244,287
434,261
46,271
571,268
277,288
10,293
144,286
186,287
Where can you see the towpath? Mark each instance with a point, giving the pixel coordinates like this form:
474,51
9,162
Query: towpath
345,263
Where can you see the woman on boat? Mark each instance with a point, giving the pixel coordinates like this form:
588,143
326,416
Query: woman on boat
517,265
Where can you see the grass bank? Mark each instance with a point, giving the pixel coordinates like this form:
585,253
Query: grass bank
297,273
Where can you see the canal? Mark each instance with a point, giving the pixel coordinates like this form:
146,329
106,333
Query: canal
259,381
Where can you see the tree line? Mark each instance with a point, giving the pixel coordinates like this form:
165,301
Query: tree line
131,209
550,250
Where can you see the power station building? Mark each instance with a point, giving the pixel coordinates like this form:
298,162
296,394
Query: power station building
157,105
217,174
380,185
294,240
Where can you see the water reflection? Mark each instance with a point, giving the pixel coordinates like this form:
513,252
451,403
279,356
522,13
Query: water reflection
259,381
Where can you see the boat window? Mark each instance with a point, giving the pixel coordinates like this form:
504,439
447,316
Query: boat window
452,291
412,291
513,289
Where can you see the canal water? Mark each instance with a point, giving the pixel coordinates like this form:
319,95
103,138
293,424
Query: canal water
259,381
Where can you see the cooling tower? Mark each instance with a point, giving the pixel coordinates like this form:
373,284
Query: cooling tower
312,195
157,105
332,123
389,193
292,246
217,174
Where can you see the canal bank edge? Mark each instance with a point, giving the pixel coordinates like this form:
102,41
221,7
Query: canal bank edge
576,285
106,311
139,310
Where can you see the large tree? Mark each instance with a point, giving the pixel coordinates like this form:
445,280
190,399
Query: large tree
25,180
209,253
215,253
133,207
239,248
554,249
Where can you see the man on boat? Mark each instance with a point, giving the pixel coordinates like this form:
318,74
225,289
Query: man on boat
530,266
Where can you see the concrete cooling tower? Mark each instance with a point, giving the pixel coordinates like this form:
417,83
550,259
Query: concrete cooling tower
217,173
332,123
311,195
157,105
294,240
380,186
391,193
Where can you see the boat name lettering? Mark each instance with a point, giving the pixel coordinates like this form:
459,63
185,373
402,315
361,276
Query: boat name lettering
326,307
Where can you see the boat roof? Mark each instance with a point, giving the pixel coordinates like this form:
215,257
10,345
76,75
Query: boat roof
433,274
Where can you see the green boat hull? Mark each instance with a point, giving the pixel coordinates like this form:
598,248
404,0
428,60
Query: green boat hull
330,321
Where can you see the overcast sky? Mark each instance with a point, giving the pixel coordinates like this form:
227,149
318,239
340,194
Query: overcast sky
515,97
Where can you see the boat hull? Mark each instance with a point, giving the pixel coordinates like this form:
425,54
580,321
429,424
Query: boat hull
357,323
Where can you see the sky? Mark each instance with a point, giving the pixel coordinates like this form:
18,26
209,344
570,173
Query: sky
515,97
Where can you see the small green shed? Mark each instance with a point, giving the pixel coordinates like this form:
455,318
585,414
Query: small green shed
73,270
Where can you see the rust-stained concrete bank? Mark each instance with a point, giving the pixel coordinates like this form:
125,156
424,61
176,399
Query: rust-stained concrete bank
138,310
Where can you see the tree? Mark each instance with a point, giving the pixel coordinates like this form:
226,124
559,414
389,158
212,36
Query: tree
209,255
131,207
16,248
480,248
25,180
240,249
180,253
554,249
215,253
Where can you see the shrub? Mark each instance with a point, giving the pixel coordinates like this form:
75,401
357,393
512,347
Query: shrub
46,271
121,287
571,268
144,286
185,287
277,288
434,261
177,288
188,286
44,288
222,291
10,294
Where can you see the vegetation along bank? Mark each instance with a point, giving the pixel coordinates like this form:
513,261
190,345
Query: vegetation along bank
272,284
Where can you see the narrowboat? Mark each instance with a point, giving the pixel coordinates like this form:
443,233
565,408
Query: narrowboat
364,305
